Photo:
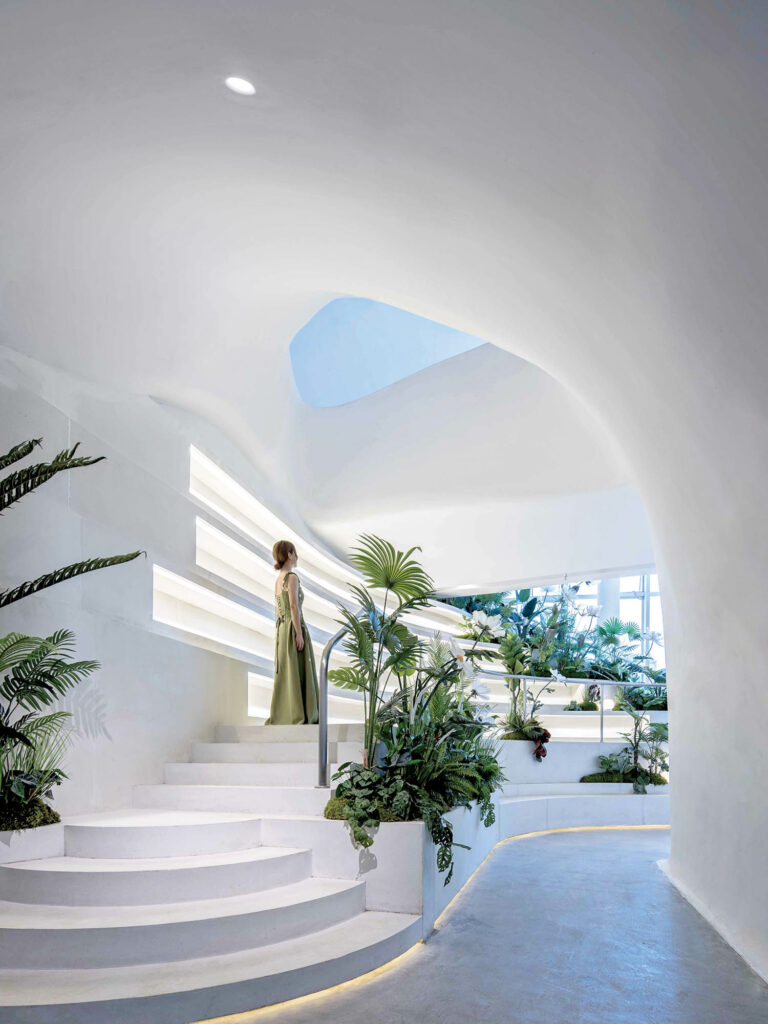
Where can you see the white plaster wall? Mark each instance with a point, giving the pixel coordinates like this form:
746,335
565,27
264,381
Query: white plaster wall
153,695
582,184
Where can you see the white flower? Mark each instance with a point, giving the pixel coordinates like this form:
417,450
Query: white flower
593,610
557,676
453,646
468,673
487,625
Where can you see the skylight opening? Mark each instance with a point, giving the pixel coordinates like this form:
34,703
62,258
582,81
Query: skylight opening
354,347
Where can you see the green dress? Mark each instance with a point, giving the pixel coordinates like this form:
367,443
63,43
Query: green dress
294,696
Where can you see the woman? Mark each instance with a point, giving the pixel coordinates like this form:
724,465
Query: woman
294,696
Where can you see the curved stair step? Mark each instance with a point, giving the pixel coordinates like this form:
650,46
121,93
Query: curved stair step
248,752
65,938
188,990
93,881
166,832
298,800
226,773
340,733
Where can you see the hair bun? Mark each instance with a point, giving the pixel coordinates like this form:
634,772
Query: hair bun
281,552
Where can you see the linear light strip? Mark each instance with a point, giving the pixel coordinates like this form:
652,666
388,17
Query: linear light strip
249,1016
210,484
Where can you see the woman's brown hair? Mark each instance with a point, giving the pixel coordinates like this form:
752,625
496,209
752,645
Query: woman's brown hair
281,552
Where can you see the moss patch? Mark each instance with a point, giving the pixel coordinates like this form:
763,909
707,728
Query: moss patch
17,816
588,705
656,779
336,810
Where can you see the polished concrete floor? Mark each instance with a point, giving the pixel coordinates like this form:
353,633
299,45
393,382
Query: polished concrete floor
569,928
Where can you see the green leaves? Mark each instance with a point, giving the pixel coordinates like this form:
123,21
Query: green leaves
69,572
35,672
18,484
385,568
348,679
19,451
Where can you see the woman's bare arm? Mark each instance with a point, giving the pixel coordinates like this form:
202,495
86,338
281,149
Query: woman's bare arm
293,600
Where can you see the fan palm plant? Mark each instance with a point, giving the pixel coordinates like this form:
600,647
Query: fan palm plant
378,645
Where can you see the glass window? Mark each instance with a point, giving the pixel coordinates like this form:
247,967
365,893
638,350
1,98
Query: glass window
631,584
631,610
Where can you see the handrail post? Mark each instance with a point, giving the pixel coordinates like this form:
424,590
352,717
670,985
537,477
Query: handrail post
602,710
323,768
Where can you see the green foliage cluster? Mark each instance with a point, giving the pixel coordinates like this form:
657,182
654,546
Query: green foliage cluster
520,722
642,698
18,815
36,671
654,779
550,641
641,761
425,752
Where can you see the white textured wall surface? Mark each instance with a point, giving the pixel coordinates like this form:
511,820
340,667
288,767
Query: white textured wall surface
582,184
153,695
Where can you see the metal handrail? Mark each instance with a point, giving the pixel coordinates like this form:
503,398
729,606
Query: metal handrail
323,768
602,683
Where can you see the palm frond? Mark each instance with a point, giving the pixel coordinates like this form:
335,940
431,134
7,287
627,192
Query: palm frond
61,575
19,451
384,567
10,735
16,485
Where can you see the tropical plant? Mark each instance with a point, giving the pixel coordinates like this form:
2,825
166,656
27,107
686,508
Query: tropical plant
424,747
641,761
21,482
520,722
34,673
491,604
657,734
379,647
643,698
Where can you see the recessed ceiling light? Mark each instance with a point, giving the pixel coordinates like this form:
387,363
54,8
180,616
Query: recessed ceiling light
240,85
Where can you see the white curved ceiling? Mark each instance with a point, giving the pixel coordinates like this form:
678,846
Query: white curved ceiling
178,236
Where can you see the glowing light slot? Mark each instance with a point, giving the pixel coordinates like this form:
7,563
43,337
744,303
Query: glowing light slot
232,561
229,499
234,504
185,605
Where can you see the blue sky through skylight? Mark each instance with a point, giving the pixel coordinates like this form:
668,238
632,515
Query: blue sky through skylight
353,347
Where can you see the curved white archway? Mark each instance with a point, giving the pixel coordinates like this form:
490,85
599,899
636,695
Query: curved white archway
581,184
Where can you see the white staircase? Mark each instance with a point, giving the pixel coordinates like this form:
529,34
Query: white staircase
175,911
